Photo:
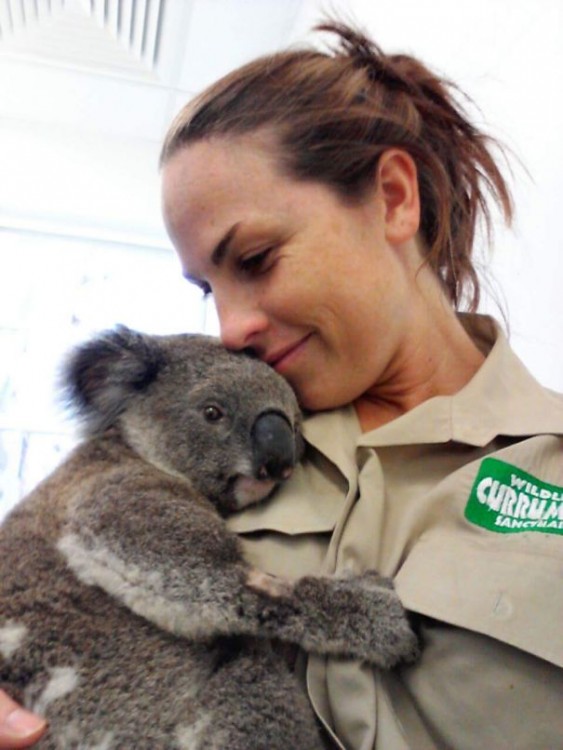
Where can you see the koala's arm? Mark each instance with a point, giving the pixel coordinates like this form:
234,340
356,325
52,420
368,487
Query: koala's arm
169,558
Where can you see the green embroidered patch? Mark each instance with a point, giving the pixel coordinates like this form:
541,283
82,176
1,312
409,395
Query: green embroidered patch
508,500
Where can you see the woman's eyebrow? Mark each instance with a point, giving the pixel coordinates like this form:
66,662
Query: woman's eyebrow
218,253
223,246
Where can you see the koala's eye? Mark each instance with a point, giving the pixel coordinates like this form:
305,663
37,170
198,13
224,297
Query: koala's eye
212,413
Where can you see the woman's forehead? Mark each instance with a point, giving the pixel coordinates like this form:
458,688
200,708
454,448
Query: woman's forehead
219,154
214,170
224,180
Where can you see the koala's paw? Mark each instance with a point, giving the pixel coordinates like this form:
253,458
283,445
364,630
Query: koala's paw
356,616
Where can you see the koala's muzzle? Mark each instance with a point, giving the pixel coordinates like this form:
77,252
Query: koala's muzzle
273,447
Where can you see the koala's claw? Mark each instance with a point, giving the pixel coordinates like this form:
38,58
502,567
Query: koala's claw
268,584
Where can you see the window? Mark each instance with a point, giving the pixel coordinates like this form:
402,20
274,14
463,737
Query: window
55,292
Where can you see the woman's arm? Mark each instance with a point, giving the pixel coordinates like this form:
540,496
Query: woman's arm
18,728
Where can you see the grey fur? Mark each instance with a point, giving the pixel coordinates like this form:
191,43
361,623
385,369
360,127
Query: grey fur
128,613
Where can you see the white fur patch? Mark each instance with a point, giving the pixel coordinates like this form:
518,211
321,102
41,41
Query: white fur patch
71,737
140,589
249,490
12,636
189,736
104,744
63,681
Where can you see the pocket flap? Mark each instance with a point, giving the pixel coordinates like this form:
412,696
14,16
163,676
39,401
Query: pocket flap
513,594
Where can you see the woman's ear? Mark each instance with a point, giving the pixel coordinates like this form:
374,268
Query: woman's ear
397,186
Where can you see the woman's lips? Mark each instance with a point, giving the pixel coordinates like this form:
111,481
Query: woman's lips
281,359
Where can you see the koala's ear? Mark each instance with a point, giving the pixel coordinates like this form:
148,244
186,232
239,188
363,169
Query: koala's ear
101,375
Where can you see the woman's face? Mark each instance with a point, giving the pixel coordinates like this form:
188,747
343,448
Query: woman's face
308,282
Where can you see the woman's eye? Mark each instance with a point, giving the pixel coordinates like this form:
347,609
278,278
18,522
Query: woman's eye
256,263
212,413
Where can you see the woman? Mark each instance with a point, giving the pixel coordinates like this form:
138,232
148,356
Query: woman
329,203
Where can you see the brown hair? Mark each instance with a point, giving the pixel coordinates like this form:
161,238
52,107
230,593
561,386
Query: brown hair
335,113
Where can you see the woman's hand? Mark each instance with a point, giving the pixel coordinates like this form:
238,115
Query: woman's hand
18,728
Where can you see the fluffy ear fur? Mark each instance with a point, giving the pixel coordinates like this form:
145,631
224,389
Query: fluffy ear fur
101,376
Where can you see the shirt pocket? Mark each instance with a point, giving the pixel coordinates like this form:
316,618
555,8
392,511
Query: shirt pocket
481,564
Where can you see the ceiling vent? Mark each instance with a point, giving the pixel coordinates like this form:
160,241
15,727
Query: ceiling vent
119,37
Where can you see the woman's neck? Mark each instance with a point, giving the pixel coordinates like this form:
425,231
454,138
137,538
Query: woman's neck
437,358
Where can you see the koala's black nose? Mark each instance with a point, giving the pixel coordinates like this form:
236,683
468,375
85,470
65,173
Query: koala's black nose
273,445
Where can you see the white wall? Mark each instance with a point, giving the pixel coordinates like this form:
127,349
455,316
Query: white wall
54,292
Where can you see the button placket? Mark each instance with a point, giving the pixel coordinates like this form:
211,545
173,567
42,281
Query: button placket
359,549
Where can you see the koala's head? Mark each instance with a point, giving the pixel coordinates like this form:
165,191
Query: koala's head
226,422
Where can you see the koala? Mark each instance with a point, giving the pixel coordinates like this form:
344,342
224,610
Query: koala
128,614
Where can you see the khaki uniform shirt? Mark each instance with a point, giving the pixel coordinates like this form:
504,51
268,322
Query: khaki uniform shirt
461,501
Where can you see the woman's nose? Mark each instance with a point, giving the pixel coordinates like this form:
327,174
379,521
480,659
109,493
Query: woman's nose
240,325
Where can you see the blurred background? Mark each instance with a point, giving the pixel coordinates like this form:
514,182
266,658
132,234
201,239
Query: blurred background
87,89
